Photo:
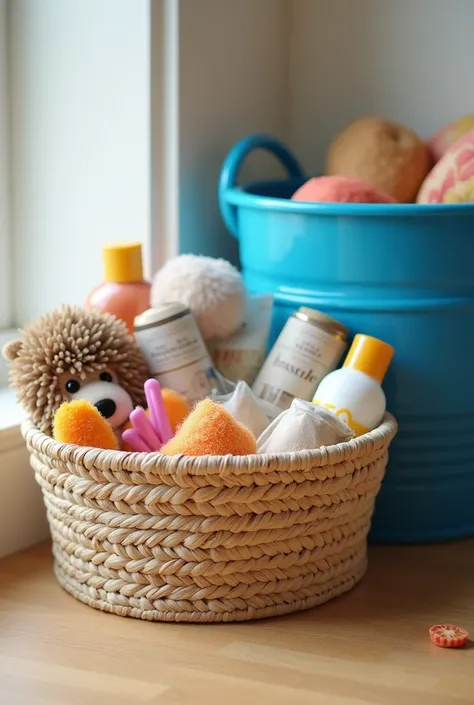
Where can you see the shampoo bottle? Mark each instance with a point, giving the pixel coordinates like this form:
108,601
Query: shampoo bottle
354,393
124,293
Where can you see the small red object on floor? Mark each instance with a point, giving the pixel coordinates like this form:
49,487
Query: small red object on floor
448,635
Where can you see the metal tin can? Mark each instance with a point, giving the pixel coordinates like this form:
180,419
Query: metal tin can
309,346
174,349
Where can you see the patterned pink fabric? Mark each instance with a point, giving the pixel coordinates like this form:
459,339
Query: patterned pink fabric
452,179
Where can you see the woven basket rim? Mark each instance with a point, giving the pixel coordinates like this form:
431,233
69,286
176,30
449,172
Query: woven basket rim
197,465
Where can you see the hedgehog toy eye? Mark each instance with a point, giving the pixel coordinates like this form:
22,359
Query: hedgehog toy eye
72,386
105,377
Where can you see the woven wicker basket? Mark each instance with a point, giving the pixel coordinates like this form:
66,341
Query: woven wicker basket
209,539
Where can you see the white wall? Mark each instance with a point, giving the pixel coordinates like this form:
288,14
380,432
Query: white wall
5,279
410,60
80,115
230,80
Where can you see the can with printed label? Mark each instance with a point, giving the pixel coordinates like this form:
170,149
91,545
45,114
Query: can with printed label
310,346
175,352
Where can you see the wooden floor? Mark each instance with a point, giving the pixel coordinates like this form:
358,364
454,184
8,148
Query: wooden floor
369,647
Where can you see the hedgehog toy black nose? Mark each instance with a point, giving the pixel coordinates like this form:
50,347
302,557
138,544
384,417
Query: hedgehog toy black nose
106,407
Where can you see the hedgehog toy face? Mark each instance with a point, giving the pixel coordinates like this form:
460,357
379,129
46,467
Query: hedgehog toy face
104,391
73,353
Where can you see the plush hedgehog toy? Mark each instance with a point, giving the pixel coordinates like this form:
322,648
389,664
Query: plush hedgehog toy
71,354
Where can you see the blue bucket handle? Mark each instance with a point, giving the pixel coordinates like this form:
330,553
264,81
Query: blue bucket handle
234,161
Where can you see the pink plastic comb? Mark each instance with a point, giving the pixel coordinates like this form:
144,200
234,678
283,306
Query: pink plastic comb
148,434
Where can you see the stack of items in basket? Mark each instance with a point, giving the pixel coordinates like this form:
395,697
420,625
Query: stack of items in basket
189,378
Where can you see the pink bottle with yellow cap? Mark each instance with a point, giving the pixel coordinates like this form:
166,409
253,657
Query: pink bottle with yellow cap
354,393
124,293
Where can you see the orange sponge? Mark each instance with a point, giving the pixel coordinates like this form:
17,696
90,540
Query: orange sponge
211,430
79,422
177,407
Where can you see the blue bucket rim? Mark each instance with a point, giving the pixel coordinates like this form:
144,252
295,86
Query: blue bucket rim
238,196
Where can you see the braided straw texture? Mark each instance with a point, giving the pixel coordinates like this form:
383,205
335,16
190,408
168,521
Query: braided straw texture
209,539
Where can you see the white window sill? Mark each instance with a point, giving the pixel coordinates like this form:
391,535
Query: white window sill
11,416
11,413
22,514
5,337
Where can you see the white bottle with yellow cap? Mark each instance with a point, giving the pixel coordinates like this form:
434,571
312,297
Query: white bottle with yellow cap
354,393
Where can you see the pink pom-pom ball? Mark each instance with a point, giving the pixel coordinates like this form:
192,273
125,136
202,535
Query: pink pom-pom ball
340,189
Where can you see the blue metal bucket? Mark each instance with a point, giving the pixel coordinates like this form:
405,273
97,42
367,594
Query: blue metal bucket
403,273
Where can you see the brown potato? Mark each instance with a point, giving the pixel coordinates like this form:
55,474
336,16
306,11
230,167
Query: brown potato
387,155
